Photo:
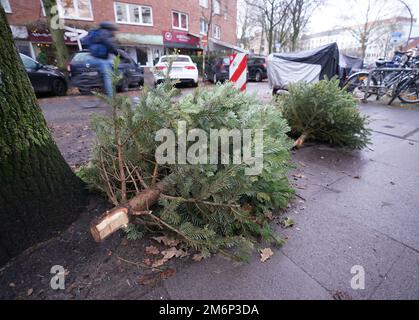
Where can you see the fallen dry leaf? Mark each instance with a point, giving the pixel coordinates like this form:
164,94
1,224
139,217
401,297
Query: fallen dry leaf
147,262
287,223
159,263
12,285
30,291
299,176
198,257
153,278
167,241
269,215
168,273
266,254
152,250
148,279
169,254
173,252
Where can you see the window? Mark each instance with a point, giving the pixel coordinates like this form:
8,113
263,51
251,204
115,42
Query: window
179,20
203,26
29,63
216,7
133,14
178,59
81,57
225,12
203,3
6,6
217,32
75,9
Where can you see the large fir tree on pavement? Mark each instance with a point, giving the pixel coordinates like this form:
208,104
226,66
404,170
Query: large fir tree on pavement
39,194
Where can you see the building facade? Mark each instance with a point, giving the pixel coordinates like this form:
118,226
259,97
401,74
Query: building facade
147,28
393,34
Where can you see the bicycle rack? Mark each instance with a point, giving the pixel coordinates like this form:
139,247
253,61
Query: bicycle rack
377,70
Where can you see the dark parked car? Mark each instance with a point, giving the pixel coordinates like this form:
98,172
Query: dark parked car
256,68
218,69
86,77
45,79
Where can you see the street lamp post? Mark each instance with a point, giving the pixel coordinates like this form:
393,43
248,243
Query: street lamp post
411,21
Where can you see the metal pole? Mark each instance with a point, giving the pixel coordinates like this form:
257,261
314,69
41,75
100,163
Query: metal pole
411,22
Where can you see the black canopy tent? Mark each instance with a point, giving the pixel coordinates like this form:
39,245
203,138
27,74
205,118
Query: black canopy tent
307,66
348,65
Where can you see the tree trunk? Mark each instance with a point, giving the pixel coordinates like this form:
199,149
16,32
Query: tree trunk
57,34
118,218
39,194
270,39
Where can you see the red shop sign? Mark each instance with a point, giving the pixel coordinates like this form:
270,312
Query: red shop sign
180,37
42,36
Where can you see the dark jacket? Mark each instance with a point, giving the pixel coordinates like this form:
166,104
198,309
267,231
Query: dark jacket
101,43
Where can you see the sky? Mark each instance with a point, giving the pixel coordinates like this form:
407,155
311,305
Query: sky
330,16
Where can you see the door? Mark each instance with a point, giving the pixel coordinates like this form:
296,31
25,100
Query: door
251,72
40,80
131,70
142,56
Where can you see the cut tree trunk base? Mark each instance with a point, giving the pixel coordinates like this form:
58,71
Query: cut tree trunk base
119,217
300,141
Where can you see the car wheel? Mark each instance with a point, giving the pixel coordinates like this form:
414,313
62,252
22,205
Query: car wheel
194,84
124,87
141,83
258,77
59,87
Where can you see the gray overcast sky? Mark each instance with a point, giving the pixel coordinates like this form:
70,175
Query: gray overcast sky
330,15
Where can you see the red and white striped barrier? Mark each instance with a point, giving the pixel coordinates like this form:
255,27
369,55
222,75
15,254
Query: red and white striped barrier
238,70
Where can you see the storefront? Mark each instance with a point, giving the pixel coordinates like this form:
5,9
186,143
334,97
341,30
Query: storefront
143,49
43,50
37,44
181,42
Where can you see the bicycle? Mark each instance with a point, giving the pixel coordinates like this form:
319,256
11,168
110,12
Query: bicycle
393,78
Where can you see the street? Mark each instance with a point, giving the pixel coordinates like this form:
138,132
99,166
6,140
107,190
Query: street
210,150
353,209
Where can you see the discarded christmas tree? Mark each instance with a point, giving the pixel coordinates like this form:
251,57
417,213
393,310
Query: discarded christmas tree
324,112
209,207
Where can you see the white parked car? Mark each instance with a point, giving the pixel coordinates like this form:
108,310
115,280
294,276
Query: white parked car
183,69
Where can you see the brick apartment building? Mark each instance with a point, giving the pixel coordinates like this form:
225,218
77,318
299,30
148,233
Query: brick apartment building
147,28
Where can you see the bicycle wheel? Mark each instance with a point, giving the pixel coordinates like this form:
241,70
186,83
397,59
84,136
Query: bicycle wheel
357,84
409,91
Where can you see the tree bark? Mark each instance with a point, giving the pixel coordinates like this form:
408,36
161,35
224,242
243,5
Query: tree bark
39,194
118,218
61,50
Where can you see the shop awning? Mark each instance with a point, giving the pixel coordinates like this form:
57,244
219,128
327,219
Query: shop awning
44,37
139,39
179,39
227,45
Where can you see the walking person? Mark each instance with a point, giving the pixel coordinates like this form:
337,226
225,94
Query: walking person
102,47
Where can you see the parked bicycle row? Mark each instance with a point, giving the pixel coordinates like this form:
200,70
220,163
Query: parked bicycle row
397,78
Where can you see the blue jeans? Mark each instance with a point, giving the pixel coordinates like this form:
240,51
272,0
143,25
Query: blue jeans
106,69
